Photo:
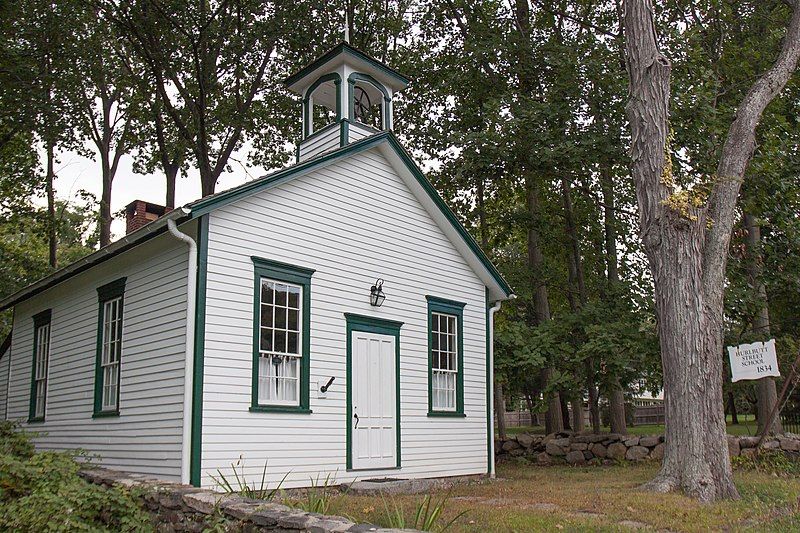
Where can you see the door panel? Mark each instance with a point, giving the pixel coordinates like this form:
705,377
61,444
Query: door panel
374,424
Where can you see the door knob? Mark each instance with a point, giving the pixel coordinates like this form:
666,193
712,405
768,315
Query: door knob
356,417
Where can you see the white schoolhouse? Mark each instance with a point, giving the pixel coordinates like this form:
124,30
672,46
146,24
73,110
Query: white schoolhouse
333,317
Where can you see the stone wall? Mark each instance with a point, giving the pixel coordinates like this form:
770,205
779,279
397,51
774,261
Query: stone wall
611,447
175,507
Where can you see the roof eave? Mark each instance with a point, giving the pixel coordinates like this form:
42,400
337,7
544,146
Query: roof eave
107,252
347,49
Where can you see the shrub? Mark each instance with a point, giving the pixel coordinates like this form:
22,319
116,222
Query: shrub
769,462
237,483
427,515
320,496
43,492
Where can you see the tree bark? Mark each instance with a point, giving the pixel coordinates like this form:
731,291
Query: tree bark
52,235
686,245
500,409
171,175
594,406
565,421
732,408
578,424
577,297
617,410
765,391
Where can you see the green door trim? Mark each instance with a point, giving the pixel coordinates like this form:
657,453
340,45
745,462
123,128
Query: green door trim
379,326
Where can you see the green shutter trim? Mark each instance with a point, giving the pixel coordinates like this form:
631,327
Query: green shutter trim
107,292
199,351
266,268
345,48
489,399
39,320
450,307
344,134
210,203
380,326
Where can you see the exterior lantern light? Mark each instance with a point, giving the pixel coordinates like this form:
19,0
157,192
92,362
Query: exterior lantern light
376,296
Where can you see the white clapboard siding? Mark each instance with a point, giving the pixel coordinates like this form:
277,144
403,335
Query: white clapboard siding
358,131
147,436
322,141
353,221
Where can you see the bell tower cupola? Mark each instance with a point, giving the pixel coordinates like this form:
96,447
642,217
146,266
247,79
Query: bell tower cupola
346,95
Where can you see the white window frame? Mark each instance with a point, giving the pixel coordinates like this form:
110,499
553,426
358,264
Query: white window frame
110,362
451,351
263,381
41,370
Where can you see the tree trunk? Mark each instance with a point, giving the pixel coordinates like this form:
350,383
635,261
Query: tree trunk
732,408
565,412
576,292
171,173
617,410
616,399
554,419
686,244
105,205
578,424
696,458
52,237
594,407
527,86
765,390
500,409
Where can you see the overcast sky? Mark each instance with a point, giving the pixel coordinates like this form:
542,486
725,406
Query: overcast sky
75,172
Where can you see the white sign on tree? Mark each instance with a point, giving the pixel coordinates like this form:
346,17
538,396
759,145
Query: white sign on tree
753,361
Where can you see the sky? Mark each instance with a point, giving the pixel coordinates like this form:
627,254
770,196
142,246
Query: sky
75,172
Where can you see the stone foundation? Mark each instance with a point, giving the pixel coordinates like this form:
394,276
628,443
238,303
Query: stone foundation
175,507
610,447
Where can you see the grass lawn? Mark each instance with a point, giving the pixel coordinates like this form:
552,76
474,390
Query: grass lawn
530,498
747,426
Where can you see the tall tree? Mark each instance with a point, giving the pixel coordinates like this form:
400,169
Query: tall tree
686,237
106,102
209,62
45,85
766,393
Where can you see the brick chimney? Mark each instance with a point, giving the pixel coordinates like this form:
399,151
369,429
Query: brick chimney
138,213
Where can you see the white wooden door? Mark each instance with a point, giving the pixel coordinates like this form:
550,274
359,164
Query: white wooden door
374,401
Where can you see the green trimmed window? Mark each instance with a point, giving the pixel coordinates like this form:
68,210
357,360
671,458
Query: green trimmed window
445,357
41,366
111,300
281,336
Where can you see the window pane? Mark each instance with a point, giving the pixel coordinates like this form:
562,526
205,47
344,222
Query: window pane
266,292
280,295
294,297
292,343
266,316
266,340
280,317
294,319
280,341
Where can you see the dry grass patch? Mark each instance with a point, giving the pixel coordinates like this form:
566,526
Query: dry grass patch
530,498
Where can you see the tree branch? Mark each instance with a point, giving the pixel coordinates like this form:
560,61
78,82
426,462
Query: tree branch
738,149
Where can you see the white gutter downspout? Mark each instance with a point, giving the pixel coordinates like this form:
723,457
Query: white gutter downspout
492,311
188,382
